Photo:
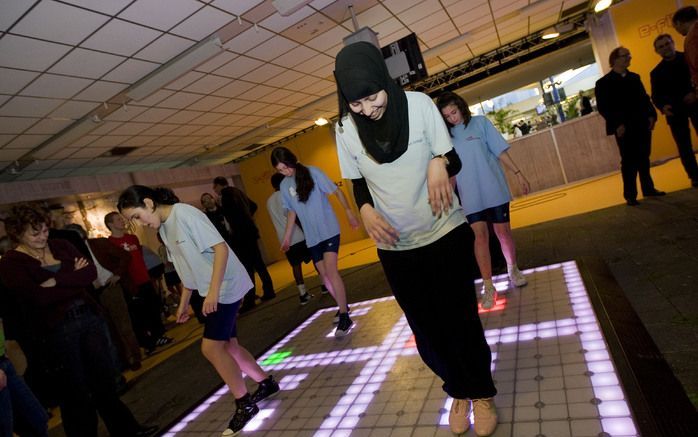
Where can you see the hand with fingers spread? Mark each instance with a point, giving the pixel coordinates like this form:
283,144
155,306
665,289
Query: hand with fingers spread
439,186
80,263
377,227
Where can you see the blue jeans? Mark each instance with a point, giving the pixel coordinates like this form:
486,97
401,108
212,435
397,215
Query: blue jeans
20,411
85,377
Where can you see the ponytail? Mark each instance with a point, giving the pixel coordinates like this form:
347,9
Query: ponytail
134,196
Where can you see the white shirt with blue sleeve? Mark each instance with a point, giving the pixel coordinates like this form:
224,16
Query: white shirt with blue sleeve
189,237
481,181
316,214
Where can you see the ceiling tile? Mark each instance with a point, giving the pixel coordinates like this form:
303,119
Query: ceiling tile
90,152
339,10
11,154
14,80
179,118
12,10
29,107
58,22
27,141
49,127
208,103
104,128
284,78
208,84
153,115
397,6
155,98
52,85
101,91
386,28
312,65
259,12
130,129
86,63
164,48
185,80
141,140
309,28
131,71
125,113
248,39
152,13
180,100
274,47
15,125
295,56
109,141
14,49
429,22
237,7
110,7
256,92
370,17
232,105
69,163
121,38
204,22
234,88
208,118
263,73
239,67
328,39
278,23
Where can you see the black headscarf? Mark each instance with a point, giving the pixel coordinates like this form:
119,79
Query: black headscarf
360,71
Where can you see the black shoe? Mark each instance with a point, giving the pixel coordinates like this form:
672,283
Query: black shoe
694,184
344,325
632,202
245,307
266,388
244,412
163,341
267,297
305,298
336,315
145,431
324,289
655,193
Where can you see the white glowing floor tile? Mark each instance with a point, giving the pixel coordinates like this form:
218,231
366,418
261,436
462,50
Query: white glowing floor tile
550,363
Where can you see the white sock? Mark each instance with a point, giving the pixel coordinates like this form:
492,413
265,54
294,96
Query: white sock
512,268
301,289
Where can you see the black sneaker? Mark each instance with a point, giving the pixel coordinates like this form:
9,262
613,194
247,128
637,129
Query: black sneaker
266,389
324,289
344,325
245,411
305,298
336,315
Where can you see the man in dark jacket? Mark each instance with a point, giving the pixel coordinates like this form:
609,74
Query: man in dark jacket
238,210
623,102
674,96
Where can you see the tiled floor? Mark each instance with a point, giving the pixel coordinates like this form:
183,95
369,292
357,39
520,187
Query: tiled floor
550,363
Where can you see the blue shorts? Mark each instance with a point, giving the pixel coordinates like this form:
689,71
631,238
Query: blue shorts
496,214
329,245
221,325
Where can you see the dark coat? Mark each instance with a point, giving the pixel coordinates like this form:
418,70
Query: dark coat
622,100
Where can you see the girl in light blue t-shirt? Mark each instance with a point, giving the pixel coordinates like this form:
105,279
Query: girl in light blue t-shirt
304,193
205,262
482,187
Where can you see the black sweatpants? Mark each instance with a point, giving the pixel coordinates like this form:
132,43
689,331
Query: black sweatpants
682,135
434,287
635,147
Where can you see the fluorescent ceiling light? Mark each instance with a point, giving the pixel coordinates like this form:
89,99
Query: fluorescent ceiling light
176,68
66,137
321,121
550,33
602,5
288,7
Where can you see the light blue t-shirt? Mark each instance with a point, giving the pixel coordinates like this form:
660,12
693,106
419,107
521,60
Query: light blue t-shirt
481,181
189,237
316,214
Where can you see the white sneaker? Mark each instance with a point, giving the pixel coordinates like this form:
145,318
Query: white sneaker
517,278
489,296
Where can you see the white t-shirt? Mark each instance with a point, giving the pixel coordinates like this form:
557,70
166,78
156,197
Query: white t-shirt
279,216
316,214
189,237
399,188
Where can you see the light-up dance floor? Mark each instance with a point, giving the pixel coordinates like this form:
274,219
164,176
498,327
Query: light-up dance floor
551,367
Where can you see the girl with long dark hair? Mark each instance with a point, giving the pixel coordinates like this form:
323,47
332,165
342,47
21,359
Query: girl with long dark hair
304,192
395,148
205,263
482,187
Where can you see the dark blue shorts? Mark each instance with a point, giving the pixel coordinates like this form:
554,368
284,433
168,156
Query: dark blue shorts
496,214
221,325
329,245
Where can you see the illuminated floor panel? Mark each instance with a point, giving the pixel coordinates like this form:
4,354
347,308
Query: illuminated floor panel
550,362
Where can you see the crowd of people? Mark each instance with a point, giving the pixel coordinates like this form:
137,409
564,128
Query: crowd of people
427,180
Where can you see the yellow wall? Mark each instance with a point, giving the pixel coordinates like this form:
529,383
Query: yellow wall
315,148
637,23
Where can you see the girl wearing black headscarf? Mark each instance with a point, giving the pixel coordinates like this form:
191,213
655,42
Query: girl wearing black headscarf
395,148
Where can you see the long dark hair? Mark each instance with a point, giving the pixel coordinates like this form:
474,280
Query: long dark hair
134,196
449,98
304,180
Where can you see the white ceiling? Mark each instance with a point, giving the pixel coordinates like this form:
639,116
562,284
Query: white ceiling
62,61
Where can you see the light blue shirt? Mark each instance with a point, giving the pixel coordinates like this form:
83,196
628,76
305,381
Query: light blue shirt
481,181
189,237
316,214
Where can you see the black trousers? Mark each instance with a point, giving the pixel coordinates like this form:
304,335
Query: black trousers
144,309
681,132
635,147
434,287
251,258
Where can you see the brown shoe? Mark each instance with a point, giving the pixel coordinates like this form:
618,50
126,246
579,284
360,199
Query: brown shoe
459,417
485,414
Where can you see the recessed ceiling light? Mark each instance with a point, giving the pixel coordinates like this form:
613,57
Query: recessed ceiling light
602,4
550,33
321,121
